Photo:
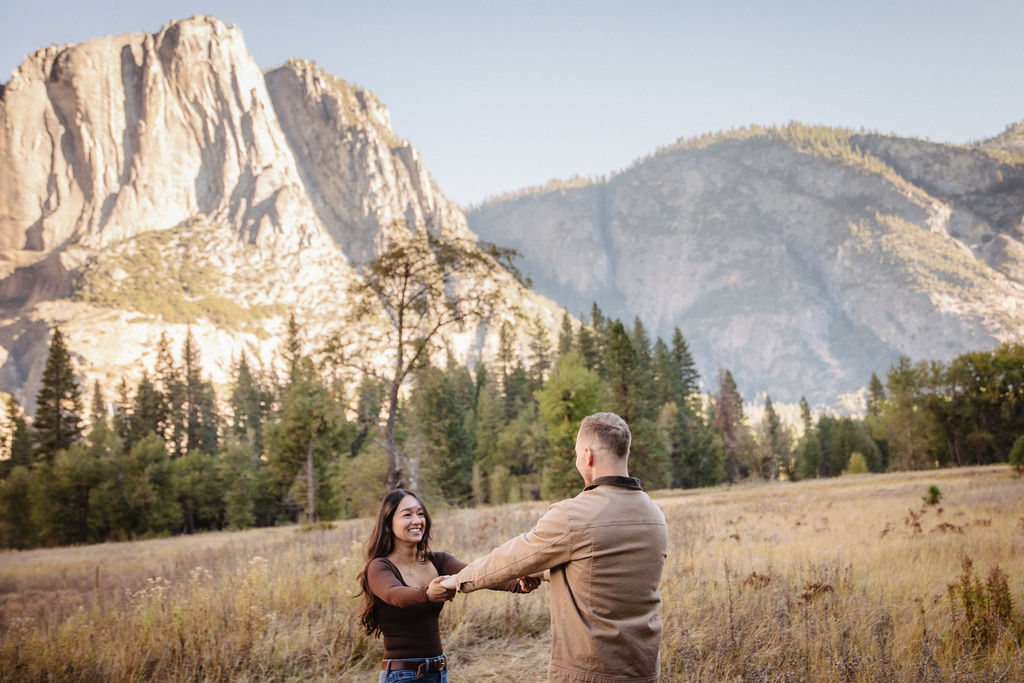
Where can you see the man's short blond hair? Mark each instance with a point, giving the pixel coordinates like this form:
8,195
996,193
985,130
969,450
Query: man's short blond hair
610,431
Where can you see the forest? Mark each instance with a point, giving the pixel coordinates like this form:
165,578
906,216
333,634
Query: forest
291,444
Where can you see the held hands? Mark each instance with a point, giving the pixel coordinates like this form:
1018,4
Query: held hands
438,592
528,584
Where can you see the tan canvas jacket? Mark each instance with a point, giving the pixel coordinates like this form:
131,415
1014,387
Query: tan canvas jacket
605,549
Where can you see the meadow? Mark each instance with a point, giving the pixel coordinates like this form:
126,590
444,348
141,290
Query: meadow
854,578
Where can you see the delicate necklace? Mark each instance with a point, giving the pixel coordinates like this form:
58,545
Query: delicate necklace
407,567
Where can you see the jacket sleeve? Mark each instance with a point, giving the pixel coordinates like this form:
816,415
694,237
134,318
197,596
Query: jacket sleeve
386,586
544,546
452,565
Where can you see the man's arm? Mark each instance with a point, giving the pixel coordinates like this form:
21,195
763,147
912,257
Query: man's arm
546,545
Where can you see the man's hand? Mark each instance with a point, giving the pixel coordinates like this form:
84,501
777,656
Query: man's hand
438,592
449,582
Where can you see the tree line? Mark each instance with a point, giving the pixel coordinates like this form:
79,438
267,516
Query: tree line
323,431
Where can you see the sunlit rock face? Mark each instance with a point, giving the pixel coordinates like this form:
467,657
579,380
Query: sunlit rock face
164,184
800,259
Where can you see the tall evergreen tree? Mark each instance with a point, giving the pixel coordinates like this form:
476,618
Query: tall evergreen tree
566,337
729,423
808,452
517,391
249,405
98,409
621,364
507,355
645,402
147,414
540,353
200,403
292,350
17,445
304,442
689,377
123,412
170,387
876,395
439,434
58,422
775,444
490,420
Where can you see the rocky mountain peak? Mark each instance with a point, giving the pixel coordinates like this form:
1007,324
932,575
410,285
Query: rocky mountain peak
156,183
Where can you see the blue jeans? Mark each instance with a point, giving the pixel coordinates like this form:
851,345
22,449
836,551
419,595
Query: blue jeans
411,677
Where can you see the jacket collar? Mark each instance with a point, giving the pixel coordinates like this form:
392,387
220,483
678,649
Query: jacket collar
623,482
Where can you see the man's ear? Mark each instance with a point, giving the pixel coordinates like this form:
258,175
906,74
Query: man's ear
588,456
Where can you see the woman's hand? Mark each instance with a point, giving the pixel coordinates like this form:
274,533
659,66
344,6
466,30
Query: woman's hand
437,592
530,583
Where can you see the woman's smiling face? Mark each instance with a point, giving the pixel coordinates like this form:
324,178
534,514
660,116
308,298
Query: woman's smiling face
410,521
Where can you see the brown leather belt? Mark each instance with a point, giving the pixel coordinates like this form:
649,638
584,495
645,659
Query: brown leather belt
420,666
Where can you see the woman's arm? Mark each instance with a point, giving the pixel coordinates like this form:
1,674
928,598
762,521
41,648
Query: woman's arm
386,586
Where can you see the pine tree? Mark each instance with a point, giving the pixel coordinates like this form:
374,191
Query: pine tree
506,356
249,405
123,412
17,446
621,365
200,403
540,353
304,442
147,413
58,405
645,401
517,393
808,454
665,375
98,409
729,423
438,434
689,377
237,468
292,350
565,336
490,420
170,387
775,443
876,395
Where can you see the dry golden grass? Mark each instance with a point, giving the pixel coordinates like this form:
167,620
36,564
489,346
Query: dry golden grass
839,580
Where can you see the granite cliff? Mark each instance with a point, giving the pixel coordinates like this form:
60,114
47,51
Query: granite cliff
802,259
159,183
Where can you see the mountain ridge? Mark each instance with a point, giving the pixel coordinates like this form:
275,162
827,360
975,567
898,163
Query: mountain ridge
801,258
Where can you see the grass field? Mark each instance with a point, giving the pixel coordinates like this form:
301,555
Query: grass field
849,579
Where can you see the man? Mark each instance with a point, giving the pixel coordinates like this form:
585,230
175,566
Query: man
605,549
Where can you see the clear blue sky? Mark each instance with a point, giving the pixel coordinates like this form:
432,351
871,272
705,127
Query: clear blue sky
499,96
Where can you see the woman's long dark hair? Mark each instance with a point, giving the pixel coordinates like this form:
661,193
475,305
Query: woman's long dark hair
381,543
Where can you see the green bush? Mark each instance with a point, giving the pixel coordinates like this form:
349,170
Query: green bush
857,464
933,496
1017,456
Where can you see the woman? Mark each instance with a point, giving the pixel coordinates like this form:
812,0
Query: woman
404,596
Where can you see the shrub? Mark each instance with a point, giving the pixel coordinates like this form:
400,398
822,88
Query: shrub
857,464
1017,456
933,496
982,612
